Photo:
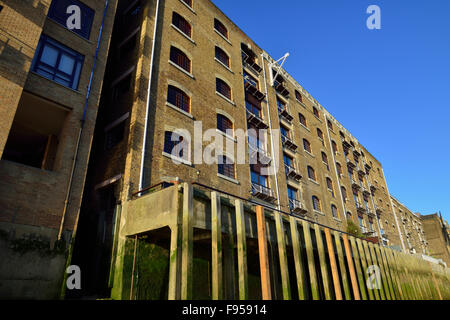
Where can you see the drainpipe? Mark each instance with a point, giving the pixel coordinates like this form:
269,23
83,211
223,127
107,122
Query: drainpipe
83,120
393,211
271,136
335,168
144,142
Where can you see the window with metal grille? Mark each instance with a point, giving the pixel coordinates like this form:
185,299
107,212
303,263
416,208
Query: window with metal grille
224,124
306,145
256,176
222,57
292,193
182,24
253,108
302,119
180,58
316,203
226,167
57,62
311,173
175,145
334,145
319,133
334,211
178,98
316,112
188,2
298,96
220,28
59,13
223,88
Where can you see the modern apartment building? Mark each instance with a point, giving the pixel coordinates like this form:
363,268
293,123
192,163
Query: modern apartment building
49,93
165,73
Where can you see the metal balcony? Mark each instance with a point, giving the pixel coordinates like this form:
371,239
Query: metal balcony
252,88
292,173
345,144
284,114
250,63
256,121
297,207
370,213
263,193
360,208
365,191
350,163
288,143
281,89
378,210
373,188
258,155
355,185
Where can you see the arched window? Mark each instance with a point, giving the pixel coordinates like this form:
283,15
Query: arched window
334,146
349,215
224,124
344,194
223,88
180,59
178,98
334,211
226,167
316,203
182,24
306,145
330,186
316,112
330,125
311,173
302,119
324,157
220,28
298,96
339,168
222,57
320,133
175,145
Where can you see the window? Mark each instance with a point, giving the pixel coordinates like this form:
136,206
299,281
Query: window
223,88
330,186
306,145
292,193
334,146
58,13
288,160
121,88
181,23
284,132
320,134
334,211
220,28
250,79
57,62
316,112
226,167
298,96
316,203
180,59
311,173
178,98
188,2
34,136
302,119
344,194
222,57
224,124
325,158
330,125
339,168
175,145
253,108
349,215
256,176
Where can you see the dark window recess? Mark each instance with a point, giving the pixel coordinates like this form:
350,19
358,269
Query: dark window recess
179,58
1,8
178,98
223,88
311,173
114,136
58,12
316,203
181,23
57,62
302,119
174,145
121,88
34,135
188,2
298,96
306,145
316,112
128,46
222,57
223,123
220,28
226,167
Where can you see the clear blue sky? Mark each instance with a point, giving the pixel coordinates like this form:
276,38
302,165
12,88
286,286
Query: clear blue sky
390,88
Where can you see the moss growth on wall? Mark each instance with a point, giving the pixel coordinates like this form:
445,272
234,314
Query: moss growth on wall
39,244
354,230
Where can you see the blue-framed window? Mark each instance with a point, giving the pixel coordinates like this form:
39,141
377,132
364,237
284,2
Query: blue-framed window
57,62
58,12
292,193
226,167
175,145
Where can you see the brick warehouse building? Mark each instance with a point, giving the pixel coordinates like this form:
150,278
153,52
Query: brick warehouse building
161,66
